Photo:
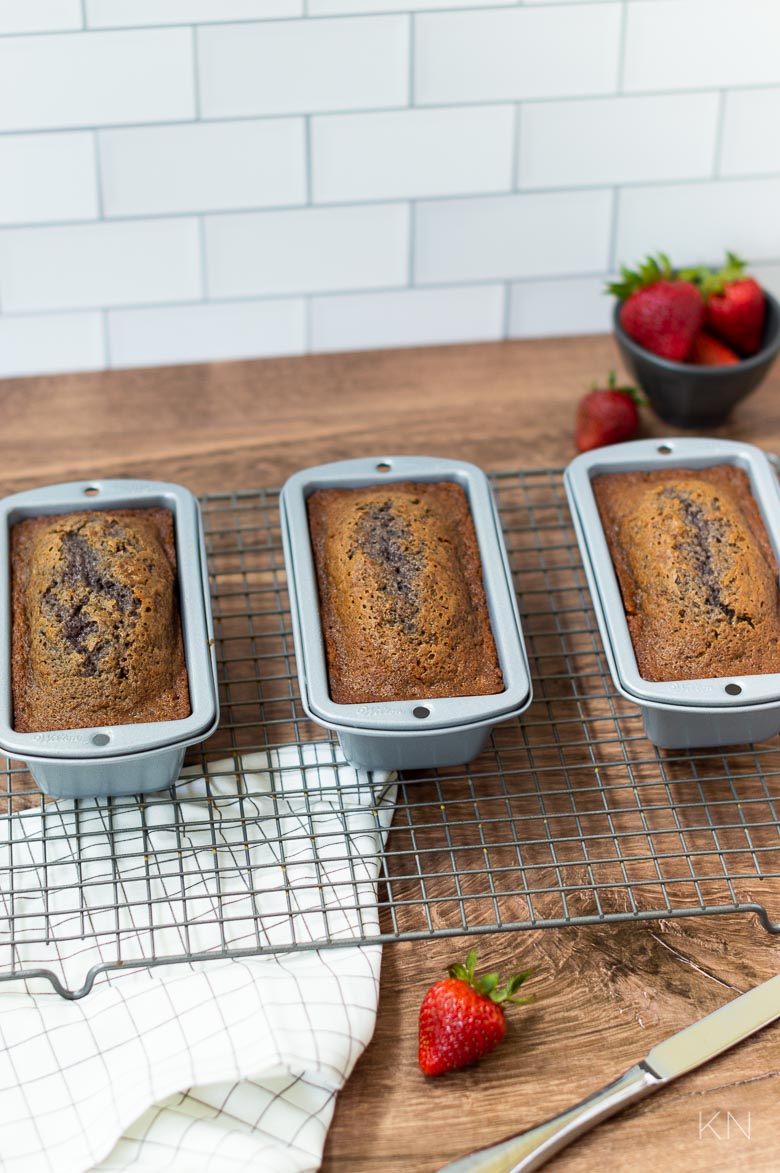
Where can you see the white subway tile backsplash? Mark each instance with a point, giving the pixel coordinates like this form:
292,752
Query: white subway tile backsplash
512,236
688,44
206,166
408,317
412,153
575,305
86,265
206,333
51,343
47,177
617,140
96,79
768,276
697,222
307,251
194,180
342,7
39,16
516,53
125,13
751,143
295,67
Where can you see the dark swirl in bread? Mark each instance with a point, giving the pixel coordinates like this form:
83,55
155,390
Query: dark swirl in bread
402,601
96,635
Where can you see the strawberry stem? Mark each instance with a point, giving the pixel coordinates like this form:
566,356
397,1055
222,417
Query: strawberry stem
647,272
488,984
712,281
612,385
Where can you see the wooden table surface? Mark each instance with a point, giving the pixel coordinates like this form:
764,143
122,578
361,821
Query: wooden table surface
606,994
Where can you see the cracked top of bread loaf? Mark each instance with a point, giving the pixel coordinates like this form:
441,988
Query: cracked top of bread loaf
402,601
96,634
696,569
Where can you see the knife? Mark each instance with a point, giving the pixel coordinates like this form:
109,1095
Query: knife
688,1049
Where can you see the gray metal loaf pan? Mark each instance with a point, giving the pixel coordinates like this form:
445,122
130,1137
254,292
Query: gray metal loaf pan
413,734
682,714
117,759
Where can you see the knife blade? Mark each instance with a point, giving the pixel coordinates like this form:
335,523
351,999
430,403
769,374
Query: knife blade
684,1051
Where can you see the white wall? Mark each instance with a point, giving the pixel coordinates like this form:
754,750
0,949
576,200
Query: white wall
183,180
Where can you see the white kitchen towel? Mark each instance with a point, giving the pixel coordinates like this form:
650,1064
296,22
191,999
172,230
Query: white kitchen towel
211,1065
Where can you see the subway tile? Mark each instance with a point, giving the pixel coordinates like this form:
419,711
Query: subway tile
342,7
512,236
125,13
39,16
45,344
206,333
516,53
312,250
47,177
409,317
85,265
203,166
301,66
697,222
688,44
412,153
578,305
617,140
750,141
96,79
769,276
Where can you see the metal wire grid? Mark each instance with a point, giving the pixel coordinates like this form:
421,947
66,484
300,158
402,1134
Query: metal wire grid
570,816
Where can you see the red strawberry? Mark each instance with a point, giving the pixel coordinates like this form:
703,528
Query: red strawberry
660,312
462,1017
709,352
606,415
735,305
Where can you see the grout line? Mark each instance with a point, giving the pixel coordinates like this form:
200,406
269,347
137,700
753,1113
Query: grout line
452,283
398,201
412,53
106,339
98,177
307,325
412,242
309,171
202,250
719,131
84,14
508,6
613,232
346,112
507,310
196,74
252,20
623,35
517,130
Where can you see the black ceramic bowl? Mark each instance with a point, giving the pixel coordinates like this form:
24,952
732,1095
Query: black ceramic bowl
689,396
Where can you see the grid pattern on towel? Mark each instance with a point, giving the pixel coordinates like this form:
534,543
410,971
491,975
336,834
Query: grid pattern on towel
570,816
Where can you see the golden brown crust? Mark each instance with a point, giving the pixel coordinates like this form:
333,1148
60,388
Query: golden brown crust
402,602
696,570
96,636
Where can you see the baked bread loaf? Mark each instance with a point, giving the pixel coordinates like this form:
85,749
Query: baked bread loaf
96,636
402,602
696,570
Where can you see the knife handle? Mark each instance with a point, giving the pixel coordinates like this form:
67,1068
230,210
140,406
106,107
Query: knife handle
530,1150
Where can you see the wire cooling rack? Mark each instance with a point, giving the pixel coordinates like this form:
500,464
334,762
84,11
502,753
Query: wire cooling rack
570,816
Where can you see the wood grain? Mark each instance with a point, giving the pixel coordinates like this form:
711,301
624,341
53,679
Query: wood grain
605,994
